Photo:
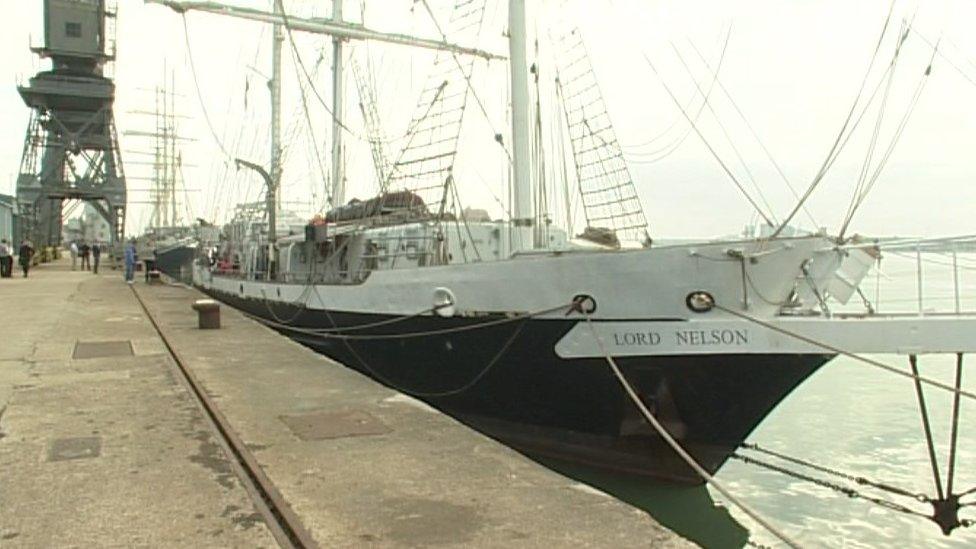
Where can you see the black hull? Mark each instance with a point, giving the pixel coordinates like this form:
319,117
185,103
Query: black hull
177,262
507,382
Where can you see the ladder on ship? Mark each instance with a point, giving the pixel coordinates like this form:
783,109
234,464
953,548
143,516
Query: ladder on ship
606,187
426,163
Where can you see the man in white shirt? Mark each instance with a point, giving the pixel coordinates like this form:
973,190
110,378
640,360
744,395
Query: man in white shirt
74,254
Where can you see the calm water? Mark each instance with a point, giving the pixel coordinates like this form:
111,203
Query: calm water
849,416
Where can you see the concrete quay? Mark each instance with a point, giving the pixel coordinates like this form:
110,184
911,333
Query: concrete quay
102,445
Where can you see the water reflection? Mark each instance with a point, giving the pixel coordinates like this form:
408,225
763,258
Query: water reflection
688,510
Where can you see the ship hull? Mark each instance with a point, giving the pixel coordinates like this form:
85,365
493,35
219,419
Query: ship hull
506,381
177,262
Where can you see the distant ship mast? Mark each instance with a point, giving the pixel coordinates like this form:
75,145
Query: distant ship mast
166,159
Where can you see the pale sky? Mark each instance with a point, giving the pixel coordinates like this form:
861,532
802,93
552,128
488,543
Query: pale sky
793,68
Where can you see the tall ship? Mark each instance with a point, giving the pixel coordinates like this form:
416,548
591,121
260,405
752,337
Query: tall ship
169,242
561,329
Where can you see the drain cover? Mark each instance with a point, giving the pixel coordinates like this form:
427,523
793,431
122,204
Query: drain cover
330,425
102,349
63,449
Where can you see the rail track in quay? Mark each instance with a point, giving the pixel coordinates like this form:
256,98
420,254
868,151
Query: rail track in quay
281,520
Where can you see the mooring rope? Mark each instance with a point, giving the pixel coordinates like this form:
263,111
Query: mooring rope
675,445
945,505
849,354
267,305
416,393
849,492
863,481
445,393
408,335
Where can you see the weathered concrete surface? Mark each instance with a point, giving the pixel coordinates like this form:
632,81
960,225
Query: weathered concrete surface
107,451
365,466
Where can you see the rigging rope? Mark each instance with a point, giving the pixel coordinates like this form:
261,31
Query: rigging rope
725,132
237,138
196,86
913,360
837,142
899,131
752,130
301,297
663,152
839,351
707,144
311,83
467,79
953,438
873,142
935,47
308,122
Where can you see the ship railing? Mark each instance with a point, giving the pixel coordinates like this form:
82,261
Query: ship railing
922,277
344,277
420,247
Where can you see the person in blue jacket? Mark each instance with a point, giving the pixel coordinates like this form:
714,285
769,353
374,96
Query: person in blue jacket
130,260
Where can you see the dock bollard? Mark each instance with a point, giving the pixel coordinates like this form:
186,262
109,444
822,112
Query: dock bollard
208,312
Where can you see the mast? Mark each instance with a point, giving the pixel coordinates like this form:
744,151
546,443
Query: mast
318,25
275,85
167,152
522,176
340,31
174,166
338,174
157,170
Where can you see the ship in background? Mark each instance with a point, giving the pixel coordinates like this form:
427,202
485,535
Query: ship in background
509,324
170,241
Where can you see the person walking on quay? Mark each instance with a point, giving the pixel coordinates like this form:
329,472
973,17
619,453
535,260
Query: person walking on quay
26,252
150,264
130,260
85,256
96,251
73,249
6,259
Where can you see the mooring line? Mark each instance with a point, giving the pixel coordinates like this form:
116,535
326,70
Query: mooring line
849,492
849,354
282,522
675,445
863,481
440,331
945,505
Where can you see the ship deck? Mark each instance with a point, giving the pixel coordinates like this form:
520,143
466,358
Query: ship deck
102,442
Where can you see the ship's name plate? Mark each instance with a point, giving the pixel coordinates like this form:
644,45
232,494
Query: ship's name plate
682,338
666,337
900,335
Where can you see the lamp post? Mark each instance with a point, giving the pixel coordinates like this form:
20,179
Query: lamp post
272,207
